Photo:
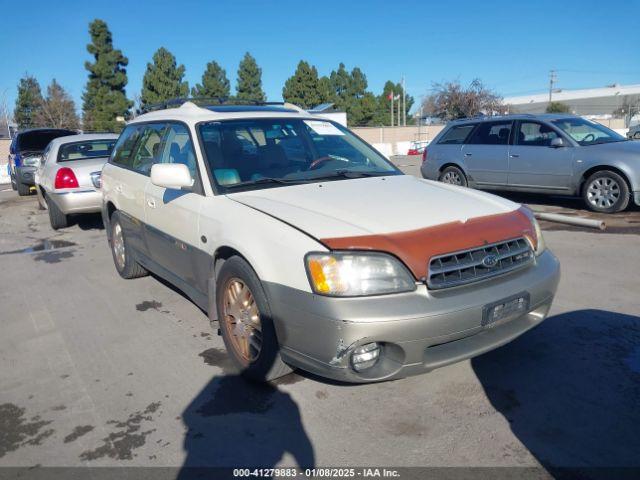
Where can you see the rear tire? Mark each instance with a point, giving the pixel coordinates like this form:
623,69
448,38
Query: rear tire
123,256
56,217
453,176
238,326
606,192
23,190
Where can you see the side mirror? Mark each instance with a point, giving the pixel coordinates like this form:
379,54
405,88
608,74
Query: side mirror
171,175
557,142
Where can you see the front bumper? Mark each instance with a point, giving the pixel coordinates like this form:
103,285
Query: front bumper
78,201
419,331
25,175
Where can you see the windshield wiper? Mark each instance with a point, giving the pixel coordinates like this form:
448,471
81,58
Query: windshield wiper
261,181
344,173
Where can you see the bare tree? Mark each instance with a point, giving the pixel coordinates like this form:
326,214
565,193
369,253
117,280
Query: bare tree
451,100
58,109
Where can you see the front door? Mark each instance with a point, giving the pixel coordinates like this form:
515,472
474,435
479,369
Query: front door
535,164
485,155
172,215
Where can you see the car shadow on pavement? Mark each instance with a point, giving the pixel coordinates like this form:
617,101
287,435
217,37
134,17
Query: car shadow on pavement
570,390
234,422
88,221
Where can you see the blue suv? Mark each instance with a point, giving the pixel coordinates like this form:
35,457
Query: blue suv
25,153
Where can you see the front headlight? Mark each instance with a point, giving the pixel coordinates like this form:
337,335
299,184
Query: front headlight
540,246
350,274
31,162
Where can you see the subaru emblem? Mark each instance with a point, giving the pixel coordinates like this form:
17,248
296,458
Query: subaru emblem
490,261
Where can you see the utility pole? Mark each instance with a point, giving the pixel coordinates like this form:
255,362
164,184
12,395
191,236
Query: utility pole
399,124
552,80
404,104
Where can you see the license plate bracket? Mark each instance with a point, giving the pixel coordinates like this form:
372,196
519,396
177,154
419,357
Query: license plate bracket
505,309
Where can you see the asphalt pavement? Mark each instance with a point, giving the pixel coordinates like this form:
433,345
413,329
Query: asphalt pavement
100,371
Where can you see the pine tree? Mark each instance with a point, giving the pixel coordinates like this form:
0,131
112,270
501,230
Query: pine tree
249,84
58,110
28,102
163,79
104,98
214,83
302,88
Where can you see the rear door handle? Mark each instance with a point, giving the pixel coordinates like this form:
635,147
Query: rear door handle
468,154
514,155
151,202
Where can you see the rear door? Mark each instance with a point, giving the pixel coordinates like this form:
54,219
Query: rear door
171,215
534,164
485,155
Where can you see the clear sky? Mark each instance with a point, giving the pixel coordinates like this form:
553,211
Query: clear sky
510,45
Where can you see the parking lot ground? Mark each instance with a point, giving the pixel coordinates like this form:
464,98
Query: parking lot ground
100,371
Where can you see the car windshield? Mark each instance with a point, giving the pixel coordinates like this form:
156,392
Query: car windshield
85,150
258,153
37,140
586,132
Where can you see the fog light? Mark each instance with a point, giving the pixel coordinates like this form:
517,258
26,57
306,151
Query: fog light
365,356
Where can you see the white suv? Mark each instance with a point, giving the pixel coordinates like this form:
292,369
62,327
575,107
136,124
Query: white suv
312,250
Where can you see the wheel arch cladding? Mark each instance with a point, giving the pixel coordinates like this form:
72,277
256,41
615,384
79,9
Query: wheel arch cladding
221,254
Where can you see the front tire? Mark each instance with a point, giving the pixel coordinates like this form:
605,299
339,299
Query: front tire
123,256
453,176
246,323
606,192
56,217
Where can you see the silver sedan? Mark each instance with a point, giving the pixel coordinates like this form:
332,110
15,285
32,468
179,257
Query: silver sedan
68,177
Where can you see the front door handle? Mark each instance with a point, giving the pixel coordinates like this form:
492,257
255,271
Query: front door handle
151,202
514,155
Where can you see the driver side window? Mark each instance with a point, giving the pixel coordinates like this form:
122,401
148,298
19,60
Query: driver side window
534,134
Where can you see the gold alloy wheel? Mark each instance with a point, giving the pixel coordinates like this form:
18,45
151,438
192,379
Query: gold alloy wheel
242,320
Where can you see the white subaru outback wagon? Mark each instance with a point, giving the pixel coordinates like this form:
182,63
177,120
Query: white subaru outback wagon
312,250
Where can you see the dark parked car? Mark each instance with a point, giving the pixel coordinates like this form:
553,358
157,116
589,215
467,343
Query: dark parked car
553,154
25,153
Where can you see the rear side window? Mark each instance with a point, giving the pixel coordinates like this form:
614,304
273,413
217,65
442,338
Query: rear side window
123,148
491,133
456,135
85,150
148,149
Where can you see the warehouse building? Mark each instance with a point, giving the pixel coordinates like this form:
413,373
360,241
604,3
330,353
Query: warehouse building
611,101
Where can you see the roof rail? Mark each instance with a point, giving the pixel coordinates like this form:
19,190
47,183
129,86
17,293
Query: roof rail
496,117
211,101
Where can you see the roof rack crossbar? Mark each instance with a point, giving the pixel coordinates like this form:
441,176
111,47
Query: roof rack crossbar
207,101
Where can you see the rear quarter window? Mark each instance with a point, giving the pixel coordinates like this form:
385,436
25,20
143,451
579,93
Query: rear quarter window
123,148
456,135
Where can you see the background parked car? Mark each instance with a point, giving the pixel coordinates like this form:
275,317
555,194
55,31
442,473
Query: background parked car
417,147
25,153
68,177
554,154
634,132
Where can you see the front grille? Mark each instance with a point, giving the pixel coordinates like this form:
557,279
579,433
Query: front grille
467,266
